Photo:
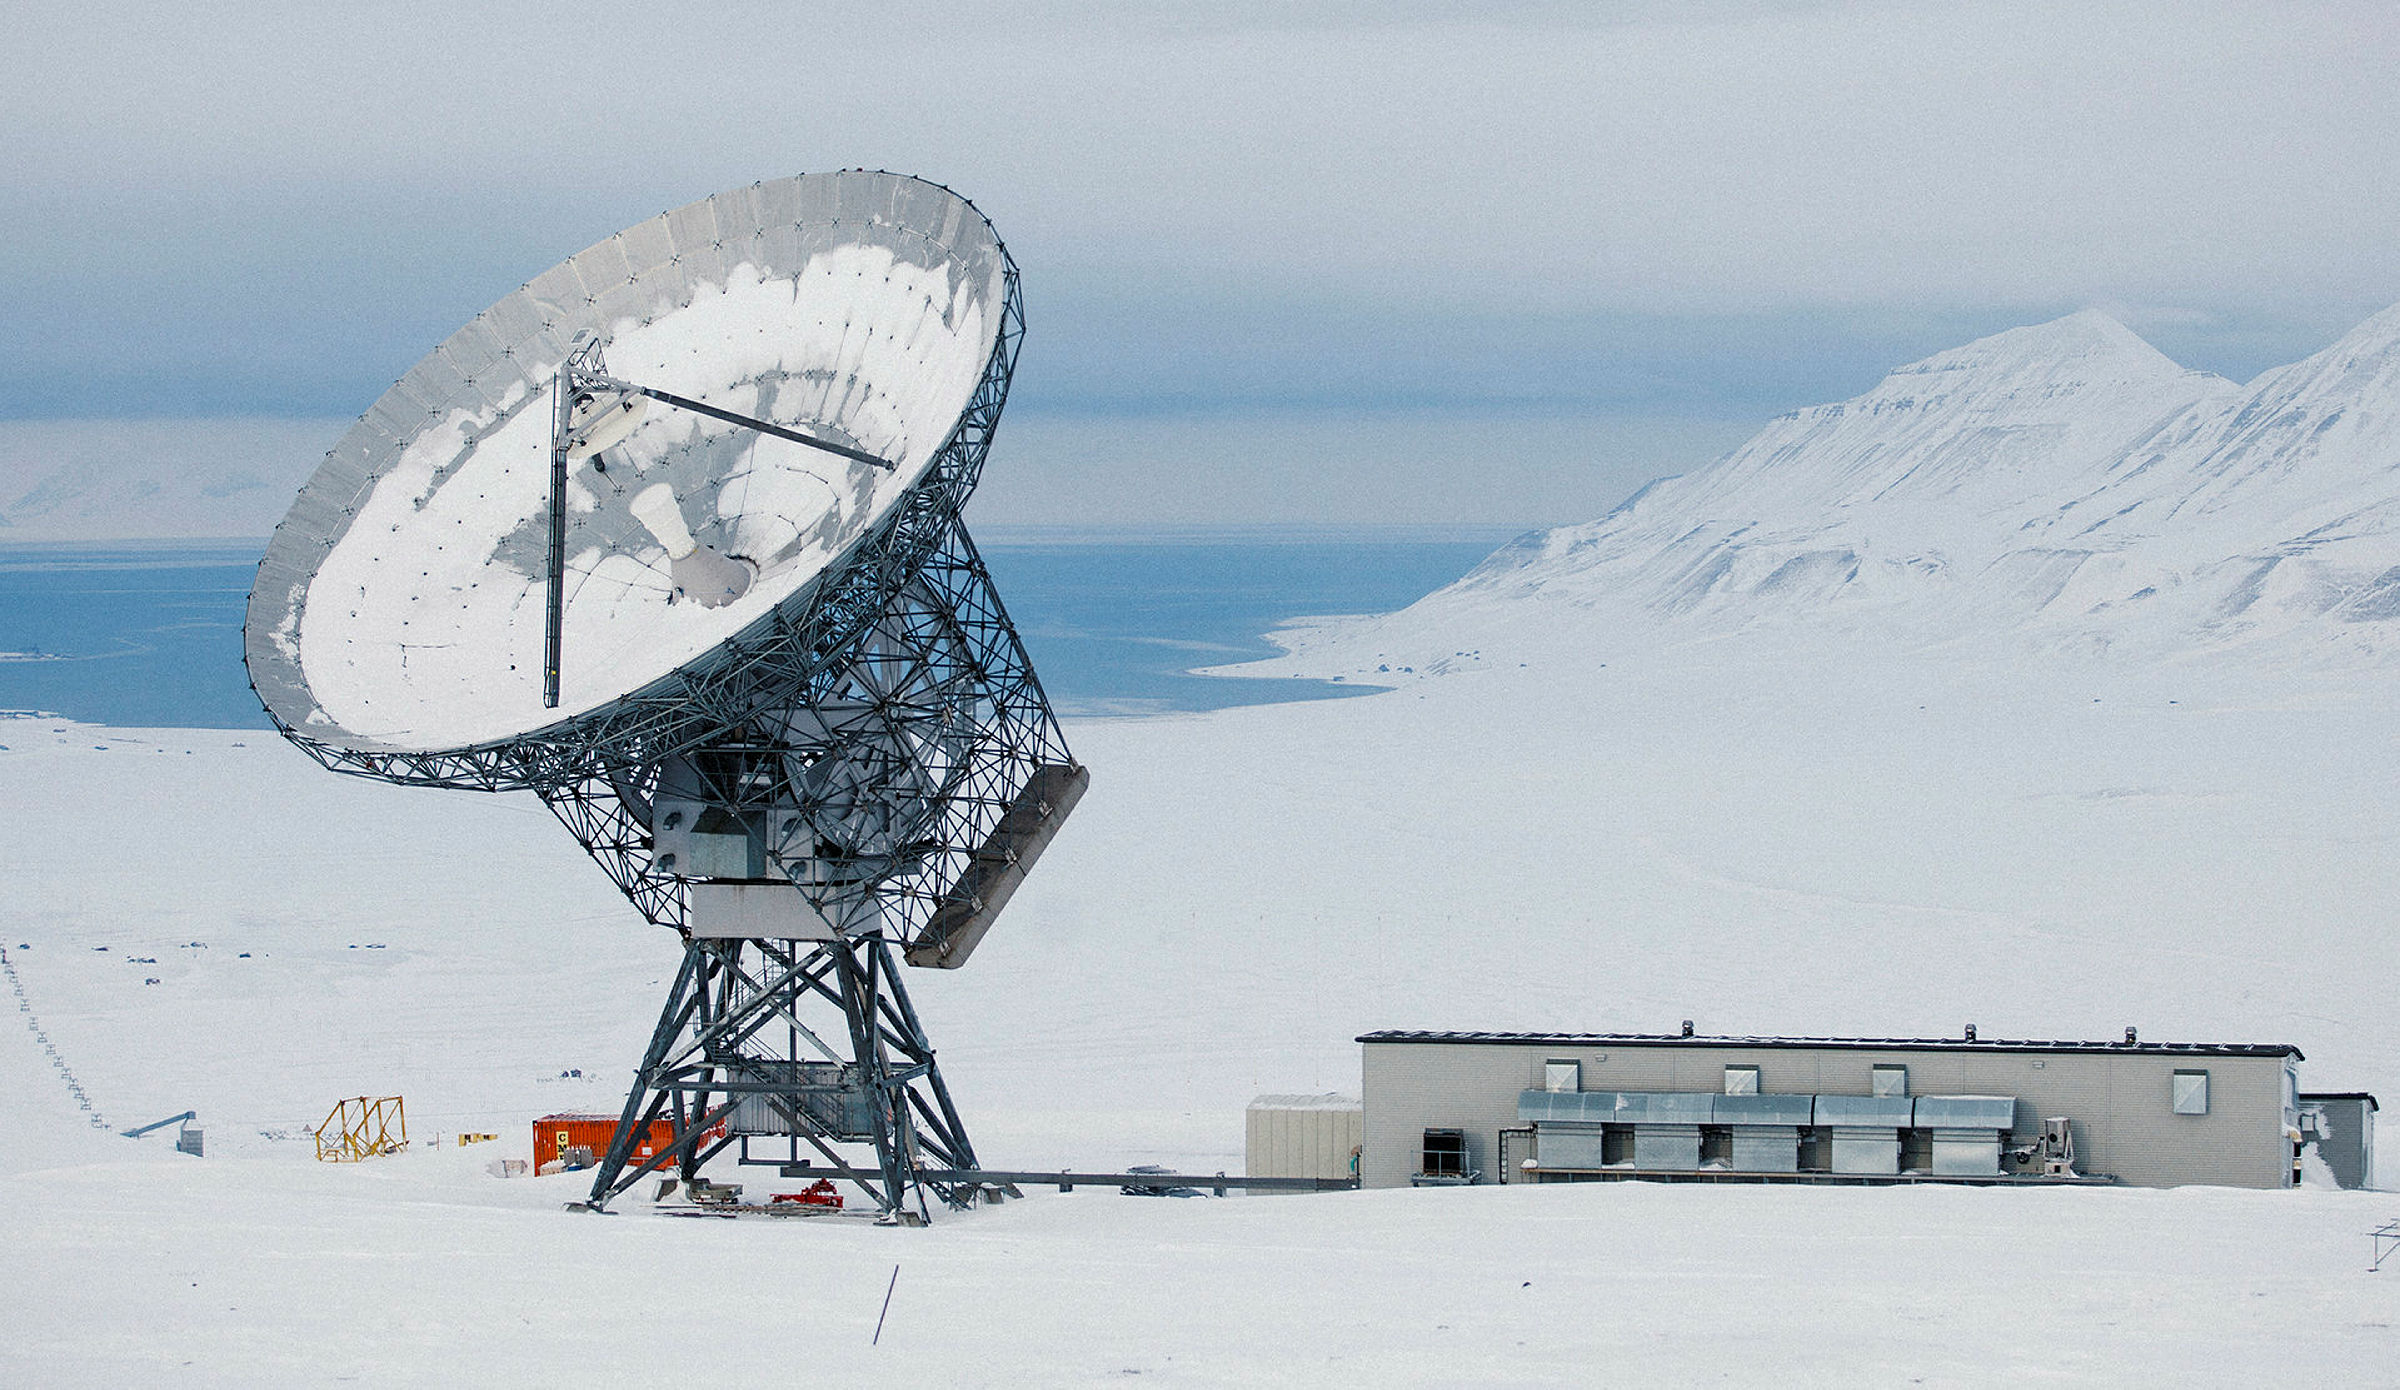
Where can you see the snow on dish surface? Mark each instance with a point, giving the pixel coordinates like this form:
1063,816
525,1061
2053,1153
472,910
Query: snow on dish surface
422,622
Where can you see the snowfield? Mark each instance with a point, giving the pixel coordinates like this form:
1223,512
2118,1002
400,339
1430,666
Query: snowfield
1625,777
419,1271
1757,844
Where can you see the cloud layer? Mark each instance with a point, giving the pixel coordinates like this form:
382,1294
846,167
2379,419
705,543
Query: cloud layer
1737,209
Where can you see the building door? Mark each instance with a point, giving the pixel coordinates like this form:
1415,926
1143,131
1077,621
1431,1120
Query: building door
1516,1146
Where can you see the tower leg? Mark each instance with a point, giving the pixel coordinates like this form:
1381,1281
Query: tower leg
810,1048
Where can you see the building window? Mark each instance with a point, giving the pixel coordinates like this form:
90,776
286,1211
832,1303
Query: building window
2191,1093
1562,1075
1890,1081
1445,1153
1741,1081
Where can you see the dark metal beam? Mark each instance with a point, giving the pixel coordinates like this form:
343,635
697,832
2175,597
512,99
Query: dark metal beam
736,418
1067,1181
561,408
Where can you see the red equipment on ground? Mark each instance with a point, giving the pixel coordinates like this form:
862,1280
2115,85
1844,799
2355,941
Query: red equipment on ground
817,1194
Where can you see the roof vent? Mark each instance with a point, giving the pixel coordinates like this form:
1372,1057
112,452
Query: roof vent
1970,1032
1687,1027
2130,1036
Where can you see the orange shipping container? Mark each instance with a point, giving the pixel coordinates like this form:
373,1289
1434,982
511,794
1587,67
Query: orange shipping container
554,1134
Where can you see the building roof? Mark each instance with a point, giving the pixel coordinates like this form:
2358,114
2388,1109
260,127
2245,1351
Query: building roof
2342,1095
1328,1100
1426,1035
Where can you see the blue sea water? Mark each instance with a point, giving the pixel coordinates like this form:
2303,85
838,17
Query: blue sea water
1114,621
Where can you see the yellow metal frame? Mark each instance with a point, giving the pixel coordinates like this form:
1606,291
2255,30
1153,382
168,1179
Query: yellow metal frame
363,1127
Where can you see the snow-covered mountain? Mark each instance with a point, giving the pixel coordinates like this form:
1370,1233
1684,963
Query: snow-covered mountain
107,480
2066,482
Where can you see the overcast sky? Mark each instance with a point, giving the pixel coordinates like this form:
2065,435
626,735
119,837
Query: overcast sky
1381,263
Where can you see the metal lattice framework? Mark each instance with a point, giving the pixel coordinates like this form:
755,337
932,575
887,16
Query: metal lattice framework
363,1127
732,1062
879,786
935,726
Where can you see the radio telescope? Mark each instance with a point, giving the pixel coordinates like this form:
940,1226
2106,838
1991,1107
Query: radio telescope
670,537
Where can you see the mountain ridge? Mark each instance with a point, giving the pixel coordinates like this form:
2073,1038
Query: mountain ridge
2064,484
110,481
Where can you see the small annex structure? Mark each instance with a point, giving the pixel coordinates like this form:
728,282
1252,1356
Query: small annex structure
2340,1125
363,1127
572,1141
1461,1108
189,1139
1312,1136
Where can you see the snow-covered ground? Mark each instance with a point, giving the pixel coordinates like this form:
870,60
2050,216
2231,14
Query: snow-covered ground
1761,841
1623,780
419,1271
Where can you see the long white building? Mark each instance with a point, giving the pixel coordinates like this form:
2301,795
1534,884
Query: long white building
1447,1107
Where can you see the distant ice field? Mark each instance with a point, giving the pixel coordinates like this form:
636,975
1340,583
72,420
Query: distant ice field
150,636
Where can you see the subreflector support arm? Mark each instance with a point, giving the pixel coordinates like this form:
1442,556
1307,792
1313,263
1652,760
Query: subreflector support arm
574,376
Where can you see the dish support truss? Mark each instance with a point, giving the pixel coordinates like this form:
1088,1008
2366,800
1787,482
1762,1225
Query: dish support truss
733,1061
886,807
879,743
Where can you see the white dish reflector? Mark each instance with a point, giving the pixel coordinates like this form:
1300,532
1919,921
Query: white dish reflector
403,602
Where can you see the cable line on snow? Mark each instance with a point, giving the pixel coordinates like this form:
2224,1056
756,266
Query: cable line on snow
83,1102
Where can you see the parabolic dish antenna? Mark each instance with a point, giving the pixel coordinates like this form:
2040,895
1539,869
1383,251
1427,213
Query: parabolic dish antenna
403,603
671,537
